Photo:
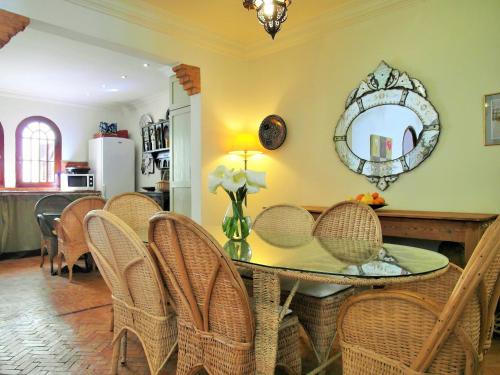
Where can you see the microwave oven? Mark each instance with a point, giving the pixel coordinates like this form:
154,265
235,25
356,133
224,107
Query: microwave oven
77,182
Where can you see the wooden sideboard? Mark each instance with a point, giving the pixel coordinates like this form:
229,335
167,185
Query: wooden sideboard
458,227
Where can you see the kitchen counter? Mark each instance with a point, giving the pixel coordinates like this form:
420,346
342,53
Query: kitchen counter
34,191
18,228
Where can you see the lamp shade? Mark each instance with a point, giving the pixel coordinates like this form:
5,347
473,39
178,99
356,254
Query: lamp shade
245,144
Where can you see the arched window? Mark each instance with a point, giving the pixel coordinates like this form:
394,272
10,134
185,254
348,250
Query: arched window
38,152
2,162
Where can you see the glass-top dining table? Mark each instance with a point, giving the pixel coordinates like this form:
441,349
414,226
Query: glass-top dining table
273,255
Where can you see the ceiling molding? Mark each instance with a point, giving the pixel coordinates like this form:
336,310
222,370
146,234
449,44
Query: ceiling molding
344,15
164,22
25,96
153,18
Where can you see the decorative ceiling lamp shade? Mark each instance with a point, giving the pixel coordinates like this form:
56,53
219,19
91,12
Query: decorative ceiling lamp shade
270,13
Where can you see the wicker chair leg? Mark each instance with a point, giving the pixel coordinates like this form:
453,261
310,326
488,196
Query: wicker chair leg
59,263
42,254
115,359
112,320
51,260
70,270
123,345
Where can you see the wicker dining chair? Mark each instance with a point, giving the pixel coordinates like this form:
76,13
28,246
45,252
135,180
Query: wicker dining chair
284,225
135,209
317,305
215,319
51,203
139,296
440,326
70,235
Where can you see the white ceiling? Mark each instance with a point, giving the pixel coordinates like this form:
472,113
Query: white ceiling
46,66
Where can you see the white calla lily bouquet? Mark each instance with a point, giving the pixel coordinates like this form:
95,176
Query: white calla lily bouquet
237,183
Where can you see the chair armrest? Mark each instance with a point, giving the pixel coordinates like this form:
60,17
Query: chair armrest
396,324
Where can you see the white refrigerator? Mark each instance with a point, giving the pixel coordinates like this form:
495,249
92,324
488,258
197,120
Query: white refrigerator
112,161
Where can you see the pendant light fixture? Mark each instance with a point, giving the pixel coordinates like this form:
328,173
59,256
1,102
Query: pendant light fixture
270,13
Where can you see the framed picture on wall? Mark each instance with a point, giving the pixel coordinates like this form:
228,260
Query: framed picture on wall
492,119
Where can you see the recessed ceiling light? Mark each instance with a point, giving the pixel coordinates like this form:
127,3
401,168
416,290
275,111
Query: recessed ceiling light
124,76
112,90
146,65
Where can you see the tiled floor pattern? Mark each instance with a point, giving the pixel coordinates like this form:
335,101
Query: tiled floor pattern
49,326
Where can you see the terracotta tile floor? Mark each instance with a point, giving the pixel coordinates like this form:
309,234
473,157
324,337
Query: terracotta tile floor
49,326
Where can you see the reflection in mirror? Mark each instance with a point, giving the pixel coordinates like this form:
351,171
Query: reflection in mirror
383,133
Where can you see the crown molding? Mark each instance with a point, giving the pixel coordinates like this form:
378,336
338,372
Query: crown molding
160,20
25,96
344,15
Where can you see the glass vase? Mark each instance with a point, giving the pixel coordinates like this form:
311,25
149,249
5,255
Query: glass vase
238,250
236,225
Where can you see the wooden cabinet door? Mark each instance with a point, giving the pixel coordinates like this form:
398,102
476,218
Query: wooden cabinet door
180,172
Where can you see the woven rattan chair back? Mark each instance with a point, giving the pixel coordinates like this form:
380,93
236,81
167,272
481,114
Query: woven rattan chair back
125,263
50,203
73,215
135,209
349,220
284,225
481,272
139,296
284,218
205,285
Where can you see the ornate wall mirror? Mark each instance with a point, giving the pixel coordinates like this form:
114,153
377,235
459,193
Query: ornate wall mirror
388,126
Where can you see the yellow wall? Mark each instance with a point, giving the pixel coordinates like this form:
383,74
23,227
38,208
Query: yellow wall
450,45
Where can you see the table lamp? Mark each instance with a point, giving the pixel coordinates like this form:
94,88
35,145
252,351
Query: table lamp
245,145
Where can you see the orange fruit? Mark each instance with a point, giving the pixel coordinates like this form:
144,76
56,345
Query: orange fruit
375,195
359,196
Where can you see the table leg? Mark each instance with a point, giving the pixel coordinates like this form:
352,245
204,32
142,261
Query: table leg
266,292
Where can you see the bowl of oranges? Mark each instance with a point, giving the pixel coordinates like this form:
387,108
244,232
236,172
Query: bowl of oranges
374,200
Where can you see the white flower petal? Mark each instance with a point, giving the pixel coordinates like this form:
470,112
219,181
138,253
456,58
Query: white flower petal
220,171
255,178
213,183
233,180
252,189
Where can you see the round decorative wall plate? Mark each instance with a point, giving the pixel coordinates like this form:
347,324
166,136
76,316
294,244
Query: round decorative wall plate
272,132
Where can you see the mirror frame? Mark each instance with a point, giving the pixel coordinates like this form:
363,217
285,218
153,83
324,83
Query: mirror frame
388,86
